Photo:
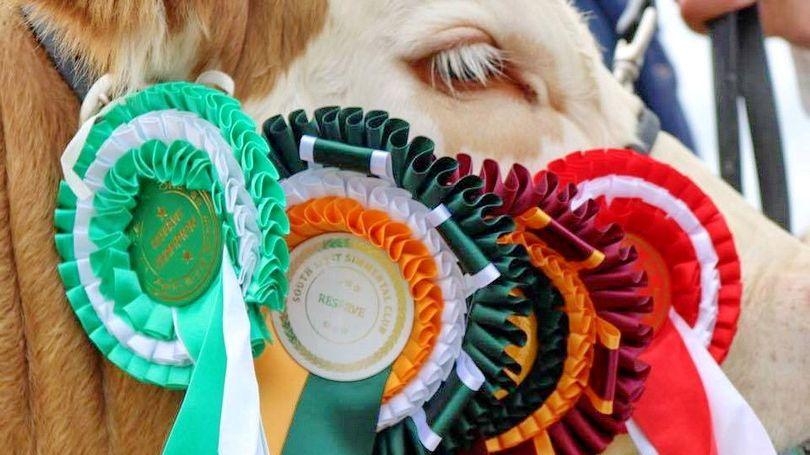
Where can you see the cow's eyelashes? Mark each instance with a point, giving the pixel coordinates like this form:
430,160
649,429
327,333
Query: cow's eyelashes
466,67
472,67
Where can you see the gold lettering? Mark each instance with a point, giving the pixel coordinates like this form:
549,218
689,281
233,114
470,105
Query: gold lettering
347,307
176,242
168,226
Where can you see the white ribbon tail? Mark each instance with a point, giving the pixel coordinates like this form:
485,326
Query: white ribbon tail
736,429
643,445
240,425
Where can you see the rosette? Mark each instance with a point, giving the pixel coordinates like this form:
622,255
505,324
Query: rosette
170,224
401,302
600,377
673,224
688,252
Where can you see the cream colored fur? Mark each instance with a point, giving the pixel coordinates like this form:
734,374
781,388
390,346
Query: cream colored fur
58,395
362,58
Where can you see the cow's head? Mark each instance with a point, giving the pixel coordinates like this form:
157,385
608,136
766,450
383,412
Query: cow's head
520,80
516,80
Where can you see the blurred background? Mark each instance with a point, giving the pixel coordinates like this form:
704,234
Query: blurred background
690,54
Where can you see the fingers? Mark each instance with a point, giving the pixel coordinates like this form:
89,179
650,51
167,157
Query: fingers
697,13
789,19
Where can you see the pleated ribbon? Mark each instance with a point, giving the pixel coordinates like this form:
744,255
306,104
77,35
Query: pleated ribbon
346,171
587,402
686,245
188,139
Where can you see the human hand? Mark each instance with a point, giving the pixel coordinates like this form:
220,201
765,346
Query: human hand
789,19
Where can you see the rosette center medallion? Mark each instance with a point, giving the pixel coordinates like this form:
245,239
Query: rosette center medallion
176,242
349,310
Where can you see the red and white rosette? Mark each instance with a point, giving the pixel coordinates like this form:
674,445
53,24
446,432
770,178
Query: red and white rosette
688,252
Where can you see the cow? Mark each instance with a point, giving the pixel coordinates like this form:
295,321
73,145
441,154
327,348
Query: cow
514,80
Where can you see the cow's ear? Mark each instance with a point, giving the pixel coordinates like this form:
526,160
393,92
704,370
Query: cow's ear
137,42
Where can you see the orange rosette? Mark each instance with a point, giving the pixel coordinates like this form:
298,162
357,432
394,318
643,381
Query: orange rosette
344,282
583,325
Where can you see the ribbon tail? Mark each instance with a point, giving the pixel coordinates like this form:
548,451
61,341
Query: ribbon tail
240,425
220,412
640,440
262,448
674,403
336,418
690,395
196,429
737,429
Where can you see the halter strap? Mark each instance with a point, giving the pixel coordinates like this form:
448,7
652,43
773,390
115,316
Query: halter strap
741,73
68,66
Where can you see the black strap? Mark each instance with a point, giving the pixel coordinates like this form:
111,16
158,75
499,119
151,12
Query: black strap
646,131
69,67
741,72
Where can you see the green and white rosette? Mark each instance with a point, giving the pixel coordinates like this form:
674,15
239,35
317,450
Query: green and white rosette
171,223
368,160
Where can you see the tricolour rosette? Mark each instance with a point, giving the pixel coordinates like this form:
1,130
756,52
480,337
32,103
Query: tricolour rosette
688,252
171,224
401,297
600,377
673,224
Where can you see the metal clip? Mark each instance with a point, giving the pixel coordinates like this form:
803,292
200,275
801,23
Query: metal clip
628,57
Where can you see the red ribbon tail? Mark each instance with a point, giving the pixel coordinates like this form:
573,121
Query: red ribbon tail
674,412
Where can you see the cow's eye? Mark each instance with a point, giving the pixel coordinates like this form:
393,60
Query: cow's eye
463,67
472,67
467,67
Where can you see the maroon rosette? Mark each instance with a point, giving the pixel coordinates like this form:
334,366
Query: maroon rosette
614,283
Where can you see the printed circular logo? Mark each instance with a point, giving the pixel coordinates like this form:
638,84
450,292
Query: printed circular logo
349,311
176,242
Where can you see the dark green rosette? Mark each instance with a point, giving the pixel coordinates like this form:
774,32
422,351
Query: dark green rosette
489,415
374,146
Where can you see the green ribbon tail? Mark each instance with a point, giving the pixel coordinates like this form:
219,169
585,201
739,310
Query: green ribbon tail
336,418
196,429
